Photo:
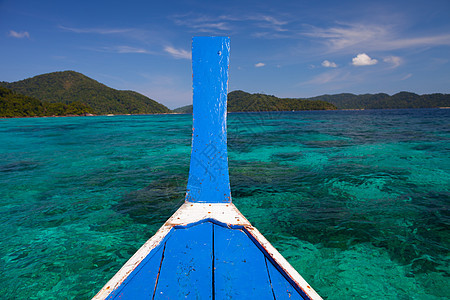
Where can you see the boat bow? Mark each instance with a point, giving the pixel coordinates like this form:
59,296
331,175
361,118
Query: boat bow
207,249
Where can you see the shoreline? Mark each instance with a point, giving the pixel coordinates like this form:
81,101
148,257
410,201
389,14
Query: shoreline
232,112
87,115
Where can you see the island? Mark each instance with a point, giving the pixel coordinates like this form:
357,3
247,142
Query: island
69,93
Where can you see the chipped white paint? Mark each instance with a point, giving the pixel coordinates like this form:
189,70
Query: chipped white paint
190,213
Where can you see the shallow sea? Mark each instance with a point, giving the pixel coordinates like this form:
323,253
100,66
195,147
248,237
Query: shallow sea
357,201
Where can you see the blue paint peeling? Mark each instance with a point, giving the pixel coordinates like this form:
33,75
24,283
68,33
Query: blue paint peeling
208,175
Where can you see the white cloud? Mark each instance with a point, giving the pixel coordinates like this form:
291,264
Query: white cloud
260,64
394,60
324,78
268,22
329,64
429,41
178,53
120,49
143,35
97,30
348,36
128,49
406,76
19,35
232,23
202,23
363,59
211,27
331,76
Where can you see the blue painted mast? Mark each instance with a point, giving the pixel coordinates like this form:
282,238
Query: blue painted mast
208,174
207,249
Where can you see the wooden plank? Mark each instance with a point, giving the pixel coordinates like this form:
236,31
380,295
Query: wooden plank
240,268
273,255
140,284
186,271
208,174
281,287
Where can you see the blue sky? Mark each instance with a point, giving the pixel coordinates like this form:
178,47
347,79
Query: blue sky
297,48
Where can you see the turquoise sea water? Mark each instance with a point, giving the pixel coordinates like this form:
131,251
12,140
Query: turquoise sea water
357,201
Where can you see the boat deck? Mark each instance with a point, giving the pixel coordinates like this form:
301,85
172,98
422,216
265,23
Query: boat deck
207,260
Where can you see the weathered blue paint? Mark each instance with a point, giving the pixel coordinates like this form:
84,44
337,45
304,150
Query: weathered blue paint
281,287
208,174
186,271
140,284
207,260
240,266
286,279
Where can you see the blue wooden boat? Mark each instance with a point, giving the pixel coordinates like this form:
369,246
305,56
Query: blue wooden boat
207,249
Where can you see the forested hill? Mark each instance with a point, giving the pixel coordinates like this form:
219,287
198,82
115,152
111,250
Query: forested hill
384,101
13,104
243,101
240,101
69,86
